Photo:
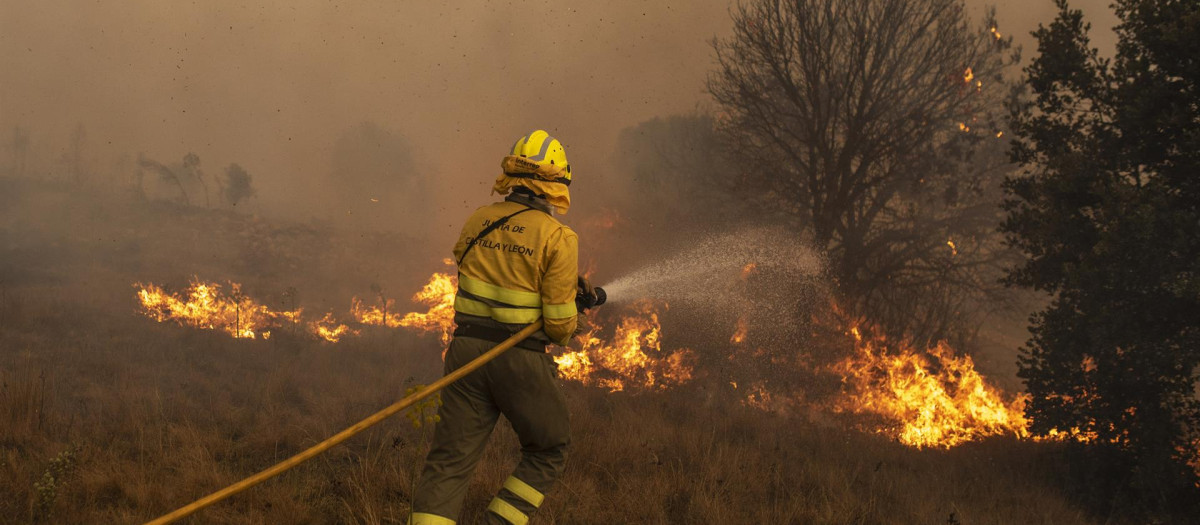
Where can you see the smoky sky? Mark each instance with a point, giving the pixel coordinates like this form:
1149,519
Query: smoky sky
271,86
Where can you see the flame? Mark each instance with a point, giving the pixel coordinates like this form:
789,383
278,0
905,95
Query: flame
204,306
999,134
953,247
632,357
1193,458
437,294
995,33
968,76
963,127
328,329
1073,434
375,315
930,399
760,398
740,334
1088,364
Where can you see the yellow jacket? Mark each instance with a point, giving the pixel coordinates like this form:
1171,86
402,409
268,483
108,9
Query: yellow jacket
522,271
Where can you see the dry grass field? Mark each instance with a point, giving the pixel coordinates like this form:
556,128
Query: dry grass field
109,417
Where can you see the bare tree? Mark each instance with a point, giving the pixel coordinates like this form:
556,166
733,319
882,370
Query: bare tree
869,125
191,166
165,173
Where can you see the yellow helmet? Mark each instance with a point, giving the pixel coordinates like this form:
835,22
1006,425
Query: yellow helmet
547,152
538,162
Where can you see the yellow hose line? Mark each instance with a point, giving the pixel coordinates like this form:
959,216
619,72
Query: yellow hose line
312,452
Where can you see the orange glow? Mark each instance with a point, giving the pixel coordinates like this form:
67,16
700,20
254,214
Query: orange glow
739,335
953,247
927,399
748,269
1089,364
631,357
1074,434
968,76
605,218
963,127
760,398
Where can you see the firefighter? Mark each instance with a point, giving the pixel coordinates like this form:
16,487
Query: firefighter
516,264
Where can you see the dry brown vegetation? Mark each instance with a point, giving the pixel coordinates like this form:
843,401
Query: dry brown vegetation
109,417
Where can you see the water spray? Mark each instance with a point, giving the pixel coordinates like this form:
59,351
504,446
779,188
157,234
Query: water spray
709,267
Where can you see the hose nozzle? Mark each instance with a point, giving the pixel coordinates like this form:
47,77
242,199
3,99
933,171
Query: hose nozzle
585,300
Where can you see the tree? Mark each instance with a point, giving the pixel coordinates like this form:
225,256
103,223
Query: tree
236,186
191,166
165,174
1106,210
869,126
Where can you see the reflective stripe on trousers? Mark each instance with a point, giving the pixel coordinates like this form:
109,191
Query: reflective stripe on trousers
516,501
424,518
522,386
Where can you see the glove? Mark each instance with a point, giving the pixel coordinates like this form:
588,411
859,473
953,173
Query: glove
585,297
582,326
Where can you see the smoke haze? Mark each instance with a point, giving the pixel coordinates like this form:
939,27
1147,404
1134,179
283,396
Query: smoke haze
272,87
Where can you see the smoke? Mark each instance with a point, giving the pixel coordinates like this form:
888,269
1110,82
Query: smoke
271,86
328,106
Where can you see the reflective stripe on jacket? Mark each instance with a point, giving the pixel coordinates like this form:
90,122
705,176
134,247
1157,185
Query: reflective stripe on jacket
520,272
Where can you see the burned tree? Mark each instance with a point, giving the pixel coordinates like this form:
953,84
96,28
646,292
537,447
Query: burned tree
165,174
235,186
868,126
191,166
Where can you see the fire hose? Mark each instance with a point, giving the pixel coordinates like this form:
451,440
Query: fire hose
313,451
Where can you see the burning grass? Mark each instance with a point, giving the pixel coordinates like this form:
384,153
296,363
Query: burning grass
926,399
437,295
203,305
151,416
631,356
157,428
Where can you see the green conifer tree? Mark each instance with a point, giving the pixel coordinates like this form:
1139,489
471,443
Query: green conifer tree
1107,213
